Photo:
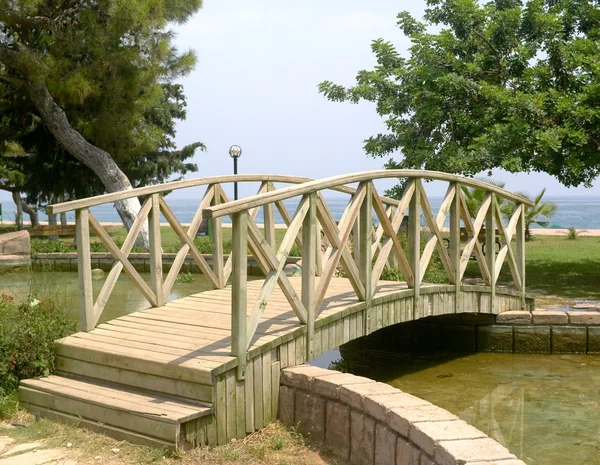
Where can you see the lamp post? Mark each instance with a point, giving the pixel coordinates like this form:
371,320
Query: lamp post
234,152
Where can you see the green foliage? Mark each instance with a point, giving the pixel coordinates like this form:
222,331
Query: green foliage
475,197
111,67
46,246
185,278
539,214
498,84
27,336
573,234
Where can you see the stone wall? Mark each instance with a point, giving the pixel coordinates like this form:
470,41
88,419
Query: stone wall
15,250
370,423
540,331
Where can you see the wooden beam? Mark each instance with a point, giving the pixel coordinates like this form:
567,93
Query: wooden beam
239,290
521,252
269,220
490,248
156,270
309,270
84,267
364,239
116,253
185,248
217,244
414,243
455,243
115,272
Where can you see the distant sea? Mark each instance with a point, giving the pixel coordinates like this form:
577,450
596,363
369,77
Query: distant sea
580,212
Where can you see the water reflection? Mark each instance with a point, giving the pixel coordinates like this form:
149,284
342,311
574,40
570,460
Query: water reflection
544,408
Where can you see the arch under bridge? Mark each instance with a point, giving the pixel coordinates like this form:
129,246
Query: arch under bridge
204,369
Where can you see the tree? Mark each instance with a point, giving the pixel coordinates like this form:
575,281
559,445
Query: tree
501,84
539,214
93,71
474,198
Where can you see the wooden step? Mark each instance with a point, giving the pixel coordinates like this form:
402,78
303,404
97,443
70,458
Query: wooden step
143,416
72,368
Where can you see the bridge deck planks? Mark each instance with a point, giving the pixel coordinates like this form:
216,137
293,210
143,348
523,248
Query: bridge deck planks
194,331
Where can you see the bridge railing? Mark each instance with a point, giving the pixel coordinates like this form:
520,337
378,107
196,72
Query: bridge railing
153,205
364,259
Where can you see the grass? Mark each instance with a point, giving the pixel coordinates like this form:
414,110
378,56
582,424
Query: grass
273,445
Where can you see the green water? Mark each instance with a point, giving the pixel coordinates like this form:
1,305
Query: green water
544,408
62,287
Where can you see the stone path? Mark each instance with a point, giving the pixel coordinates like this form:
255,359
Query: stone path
32,453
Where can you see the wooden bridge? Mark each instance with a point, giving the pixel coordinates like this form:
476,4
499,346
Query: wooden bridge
204,369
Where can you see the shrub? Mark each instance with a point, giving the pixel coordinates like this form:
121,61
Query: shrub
27,335
46,246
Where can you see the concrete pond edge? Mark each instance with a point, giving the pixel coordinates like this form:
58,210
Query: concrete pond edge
371,423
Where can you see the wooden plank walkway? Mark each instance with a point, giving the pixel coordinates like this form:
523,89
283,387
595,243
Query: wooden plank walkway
194,333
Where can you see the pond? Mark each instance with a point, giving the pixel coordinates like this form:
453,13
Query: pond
62,287
544,408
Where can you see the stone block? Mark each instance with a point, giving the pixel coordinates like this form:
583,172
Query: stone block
401,419
569,340
353,394
514,317
301,376
584,318
470,450
407,453
362,439
593,340
15,243
310,416
426,460
379,406
549,317
427,434
337,429
385,445
499,462
460,338
287,403
495,338
532,339
328,386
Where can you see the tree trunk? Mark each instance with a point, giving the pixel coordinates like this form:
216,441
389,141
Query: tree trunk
52,220
31,210
100,162
19,218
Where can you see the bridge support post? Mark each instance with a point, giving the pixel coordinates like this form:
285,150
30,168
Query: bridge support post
217,243
364,241
521,252
309,262
239,297
490,249
156,270
414,244
84,267
455,243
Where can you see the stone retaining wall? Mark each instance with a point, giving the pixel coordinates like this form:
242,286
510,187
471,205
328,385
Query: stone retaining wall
370,423
540,331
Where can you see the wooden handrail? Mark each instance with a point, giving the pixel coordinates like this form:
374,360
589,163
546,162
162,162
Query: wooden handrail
336,182
89,202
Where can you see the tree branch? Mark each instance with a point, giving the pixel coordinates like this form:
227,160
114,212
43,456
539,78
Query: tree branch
12,80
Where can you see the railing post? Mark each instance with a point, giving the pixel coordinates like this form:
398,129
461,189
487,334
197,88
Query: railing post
309,259
455,243
217,243
269,221
84,268
364,242
414,243
318,250
156,270
239,298
490,248
520,239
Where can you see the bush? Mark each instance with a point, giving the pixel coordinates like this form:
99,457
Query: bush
27,335
46,246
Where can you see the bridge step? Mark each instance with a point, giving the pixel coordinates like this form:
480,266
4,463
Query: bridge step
140,416
167,373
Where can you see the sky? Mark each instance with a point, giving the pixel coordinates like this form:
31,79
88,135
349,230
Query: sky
255,85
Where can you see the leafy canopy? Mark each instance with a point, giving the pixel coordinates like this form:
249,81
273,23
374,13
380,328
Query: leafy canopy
110,65
503,84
